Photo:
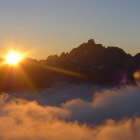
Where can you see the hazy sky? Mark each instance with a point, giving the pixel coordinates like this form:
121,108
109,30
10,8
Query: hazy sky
40,28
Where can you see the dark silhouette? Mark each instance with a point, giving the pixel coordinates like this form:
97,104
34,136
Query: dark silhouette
89,62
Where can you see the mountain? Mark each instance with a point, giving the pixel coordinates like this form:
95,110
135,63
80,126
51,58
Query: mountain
88,63
100,65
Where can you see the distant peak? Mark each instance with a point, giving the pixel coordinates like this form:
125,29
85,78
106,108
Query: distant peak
91,41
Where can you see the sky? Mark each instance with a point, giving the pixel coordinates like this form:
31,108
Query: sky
39,28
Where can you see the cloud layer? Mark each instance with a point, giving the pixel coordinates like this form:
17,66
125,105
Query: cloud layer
104,114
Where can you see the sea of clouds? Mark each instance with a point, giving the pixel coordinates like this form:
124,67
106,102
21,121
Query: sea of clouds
66,111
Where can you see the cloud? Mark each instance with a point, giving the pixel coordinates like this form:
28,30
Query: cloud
21,119
59,93
87,103
107,104
96,113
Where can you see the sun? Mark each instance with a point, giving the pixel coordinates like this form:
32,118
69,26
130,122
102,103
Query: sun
13,58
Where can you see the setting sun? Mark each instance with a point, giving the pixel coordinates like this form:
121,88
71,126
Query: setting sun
13,58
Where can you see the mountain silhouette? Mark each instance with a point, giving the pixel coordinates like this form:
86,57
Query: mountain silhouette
111,65
88,63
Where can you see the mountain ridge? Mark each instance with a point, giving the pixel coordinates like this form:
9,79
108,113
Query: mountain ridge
88,63
93,59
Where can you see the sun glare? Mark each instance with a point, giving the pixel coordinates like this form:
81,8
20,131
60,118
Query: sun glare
13,58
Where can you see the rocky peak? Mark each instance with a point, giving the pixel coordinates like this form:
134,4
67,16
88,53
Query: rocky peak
52,57
91,41
137,56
